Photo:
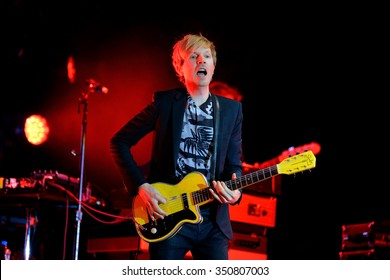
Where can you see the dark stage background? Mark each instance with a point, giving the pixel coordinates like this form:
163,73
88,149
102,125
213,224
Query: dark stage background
302,76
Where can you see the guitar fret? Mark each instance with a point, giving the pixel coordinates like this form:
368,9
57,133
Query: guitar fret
249,179
201,196
257,174
195,197
266,173
239,182
233,185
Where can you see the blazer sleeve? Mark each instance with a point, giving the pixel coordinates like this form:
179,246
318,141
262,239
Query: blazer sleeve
125,138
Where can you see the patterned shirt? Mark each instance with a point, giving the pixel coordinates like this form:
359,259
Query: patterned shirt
196,144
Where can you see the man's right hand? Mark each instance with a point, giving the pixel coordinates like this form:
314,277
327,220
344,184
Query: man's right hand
152,198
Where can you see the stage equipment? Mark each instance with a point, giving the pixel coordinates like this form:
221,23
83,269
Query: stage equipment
36,129
92,86
256,210
42,204
366,240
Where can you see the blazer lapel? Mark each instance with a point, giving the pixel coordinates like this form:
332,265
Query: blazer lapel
178,108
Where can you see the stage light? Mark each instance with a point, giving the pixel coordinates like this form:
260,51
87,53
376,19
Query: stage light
70,66
36,129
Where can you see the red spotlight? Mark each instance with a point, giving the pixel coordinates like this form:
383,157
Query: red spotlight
36,129
70,66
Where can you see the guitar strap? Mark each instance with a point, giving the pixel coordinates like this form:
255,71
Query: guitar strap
216,127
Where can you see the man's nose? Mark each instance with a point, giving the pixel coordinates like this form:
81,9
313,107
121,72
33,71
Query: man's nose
200,60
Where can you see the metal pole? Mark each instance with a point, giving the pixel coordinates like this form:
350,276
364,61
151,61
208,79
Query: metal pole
93,86
27,236
79,213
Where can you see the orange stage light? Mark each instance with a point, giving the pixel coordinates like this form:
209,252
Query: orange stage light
36,129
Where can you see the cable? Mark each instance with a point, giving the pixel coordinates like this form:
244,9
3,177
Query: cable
87,208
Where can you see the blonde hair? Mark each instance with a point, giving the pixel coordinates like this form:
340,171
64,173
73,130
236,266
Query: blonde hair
189,43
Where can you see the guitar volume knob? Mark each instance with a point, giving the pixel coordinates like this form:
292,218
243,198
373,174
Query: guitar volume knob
153,230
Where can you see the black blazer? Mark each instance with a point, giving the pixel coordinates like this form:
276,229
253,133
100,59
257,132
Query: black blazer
164,117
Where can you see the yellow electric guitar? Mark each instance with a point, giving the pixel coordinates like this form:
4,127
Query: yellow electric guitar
184,198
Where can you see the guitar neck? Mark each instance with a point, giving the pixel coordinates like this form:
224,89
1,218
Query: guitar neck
252,178
203,196
291,165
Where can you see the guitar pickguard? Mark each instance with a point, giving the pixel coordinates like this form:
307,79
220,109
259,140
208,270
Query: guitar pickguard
169,225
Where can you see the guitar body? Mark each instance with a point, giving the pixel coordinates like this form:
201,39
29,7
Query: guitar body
180,206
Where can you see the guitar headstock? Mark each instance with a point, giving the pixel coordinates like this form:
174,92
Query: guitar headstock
297,163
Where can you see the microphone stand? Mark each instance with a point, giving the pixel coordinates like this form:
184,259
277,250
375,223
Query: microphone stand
79,214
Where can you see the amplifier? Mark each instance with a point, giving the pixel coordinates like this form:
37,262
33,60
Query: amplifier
256,210
366,241
249,242
357,237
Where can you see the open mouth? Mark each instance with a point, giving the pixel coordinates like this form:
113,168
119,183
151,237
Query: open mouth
201,73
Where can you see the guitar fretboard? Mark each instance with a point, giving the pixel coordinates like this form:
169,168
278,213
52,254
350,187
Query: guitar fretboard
252,178
203,195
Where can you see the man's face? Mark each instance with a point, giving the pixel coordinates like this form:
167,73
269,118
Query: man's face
198,67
